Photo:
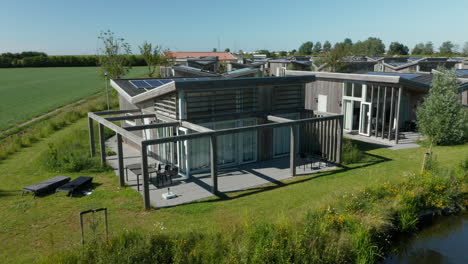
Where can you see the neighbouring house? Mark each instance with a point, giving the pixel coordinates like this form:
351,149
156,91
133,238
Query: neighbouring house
413,64
275,66
374,104
200,124
204,63
188,71
191,72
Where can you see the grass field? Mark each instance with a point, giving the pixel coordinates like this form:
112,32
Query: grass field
29,92
31,228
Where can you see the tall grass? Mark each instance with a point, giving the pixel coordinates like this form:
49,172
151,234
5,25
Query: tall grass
353,228
351,153
40,129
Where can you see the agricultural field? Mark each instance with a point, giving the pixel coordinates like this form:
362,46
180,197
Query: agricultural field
29,92
50,224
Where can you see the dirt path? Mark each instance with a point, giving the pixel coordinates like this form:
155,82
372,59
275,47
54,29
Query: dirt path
40,116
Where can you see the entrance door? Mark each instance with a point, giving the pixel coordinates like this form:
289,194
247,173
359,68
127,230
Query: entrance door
322,103
365,119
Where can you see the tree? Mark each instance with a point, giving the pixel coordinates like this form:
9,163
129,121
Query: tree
418,49
348,42
266,52
428,48
283,53
465,49
215,49
334,58
317,48
446,48
397,48
113,56
292,52
370,47
326,46
152,56
306,48
441,117
227,50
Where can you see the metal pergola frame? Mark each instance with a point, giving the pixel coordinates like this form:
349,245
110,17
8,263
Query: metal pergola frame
126,132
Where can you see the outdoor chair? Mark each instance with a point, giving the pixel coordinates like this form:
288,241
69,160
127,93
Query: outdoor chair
75,185
46,186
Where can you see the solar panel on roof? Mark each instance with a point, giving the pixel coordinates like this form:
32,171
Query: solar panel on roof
407,76
140,84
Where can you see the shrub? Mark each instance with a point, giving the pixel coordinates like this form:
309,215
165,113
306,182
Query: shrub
351,153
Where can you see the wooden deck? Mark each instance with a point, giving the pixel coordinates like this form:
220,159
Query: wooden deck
198,187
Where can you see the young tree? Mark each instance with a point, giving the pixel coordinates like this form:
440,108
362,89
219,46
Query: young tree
152,56
334,58
397,48
446,48
113,56
326,46
441,117
306,48
317,48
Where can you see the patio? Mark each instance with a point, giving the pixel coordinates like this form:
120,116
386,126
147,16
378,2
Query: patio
198,187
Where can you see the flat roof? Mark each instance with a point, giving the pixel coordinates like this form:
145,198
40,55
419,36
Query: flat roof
138,90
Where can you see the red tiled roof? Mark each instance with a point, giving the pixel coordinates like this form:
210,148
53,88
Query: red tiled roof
220,55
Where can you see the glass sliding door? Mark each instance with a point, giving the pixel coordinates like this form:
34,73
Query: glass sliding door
365,119
183,151
248,143
348,115
227,144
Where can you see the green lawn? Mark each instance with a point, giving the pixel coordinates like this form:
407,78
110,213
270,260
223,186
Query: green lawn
30,228
29,92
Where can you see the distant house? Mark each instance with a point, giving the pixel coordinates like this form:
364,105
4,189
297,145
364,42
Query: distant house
191,72
413,64
222,56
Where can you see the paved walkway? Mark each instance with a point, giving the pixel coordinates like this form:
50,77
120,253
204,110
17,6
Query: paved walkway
198,187
407,142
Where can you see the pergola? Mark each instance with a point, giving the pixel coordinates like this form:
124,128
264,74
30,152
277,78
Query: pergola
330,131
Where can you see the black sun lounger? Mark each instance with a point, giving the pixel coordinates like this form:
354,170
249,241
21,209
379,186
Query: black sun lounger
75,185
46,186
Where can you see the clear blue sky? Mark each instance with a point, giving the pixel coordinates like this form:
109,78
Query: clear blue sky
72,27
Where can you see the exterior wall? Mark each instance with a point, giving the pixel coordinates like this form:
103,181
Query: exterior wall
464,97
333,89
273,66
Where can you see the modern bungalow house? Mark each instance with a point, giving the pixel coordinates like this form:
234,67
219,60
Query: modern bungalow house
216,104
187,71
200,124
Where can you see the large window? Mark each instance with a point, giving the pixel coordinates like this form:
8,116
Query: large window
216,102
354,89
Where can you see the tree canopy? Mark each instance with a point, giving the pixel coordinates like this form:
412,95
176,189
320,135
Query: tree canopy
317,49
370,47
441,117
447,48
306,48
397,48
423,49
153,56
327,46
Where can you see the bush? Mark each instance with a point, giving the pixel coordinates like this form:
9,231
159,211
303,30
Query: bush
351,153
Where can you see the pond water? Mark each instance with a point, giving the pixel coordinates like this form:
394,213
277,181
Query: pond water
445,240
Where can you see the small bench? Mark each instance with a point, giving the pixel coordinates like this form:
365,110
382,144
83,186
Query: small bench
75,185
46,186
